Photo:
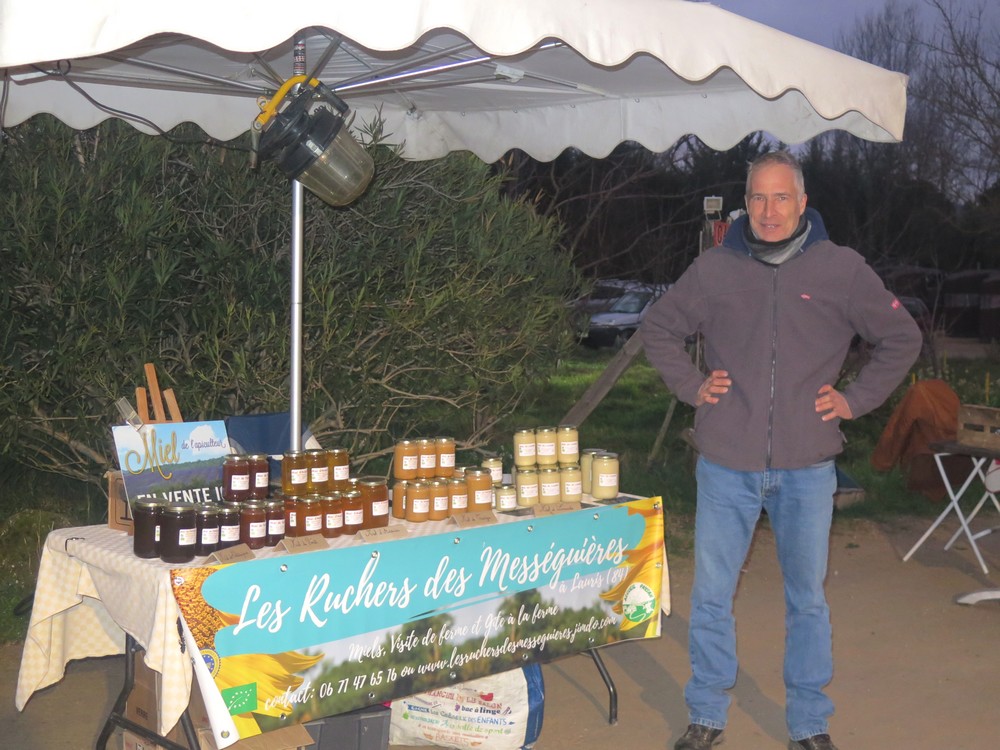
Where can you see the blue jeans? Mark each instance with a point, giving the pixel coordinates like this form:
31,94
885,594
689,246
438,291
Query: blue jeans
799,505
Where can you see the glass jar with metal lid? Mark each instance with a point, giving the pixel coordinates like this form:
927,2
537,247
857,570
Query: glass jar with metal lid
253,525
505,497
570,483
604,482
546,446
440,501
418,501
178,533
294,474
568,442
524,447
229,526
318,462
427,452
405,459
309,511
235,479
586,467
495,466
526,482
275,522
399,499
208,530
340,469
291,506
146,528
354,512
260,476
480,485
333,515
445,449
549,490
375,501
458,494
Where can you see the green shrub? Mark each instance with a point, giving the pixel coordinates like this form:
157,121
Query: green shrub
431,301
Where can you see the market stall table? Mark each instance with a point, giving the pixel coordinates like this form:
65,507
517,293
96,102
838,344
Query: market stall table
94,598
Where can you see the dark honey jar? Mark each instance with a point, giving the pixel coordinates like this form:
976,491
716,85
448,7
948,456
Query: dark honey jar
146,528
236,479
208,530
260,476
253,525
310,515
229,526
178,533
275,510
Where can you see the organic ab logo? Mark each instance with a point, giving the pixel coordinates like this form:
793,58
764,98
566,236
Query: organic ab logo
639,602
241,698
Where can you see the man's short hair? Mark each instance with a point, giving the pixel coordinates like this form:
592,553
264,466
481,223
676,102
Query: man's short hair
777,157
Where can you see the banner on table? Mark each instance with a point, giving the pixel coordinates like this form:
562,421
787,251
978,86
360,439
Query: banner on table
294,637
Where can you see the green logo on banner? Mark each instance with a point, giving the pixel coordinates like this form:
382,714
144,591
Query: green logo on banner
639,603
241,699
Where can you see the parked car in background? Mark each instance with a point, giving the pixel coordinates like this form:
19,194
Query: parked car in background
614,326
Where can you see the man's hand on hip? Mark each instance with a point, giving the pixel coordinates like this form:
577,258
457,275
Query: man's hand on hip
832,404
715,384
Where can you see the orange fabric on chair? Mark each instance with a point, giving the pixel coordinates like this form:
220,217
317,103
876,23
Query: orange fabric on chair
928,413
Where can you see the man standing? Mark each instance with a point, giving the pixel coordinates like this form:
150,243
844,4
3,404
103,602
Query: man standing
778,305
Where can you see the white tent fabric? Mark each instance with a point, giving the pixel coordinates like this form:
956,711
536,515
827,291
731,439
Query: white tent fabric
447,75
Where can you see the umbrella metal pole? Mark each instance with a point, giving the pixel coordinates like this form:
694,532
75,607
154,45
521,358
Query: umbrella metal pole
295,365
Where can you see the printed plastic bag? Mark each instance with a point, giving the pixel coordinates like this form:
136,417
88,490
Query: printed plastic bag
499,712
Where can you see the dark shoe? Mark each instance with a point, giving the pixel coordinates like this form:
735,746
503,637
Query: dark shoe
698,737
816,742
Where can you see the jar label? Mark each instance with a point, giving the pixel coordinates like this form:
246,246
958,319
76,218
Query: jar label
526,450
410,462
262,478
496,474
341,472
186,537
299,476
546,449
210,535
428,461
314,523
573,488
229,533
276,526
569,447
334,520
258,529
441,502
156,534
607,480
380,508
319,474
354,517
506,501
459,501
446,460
421,505
528,490
239,482
291,518
484,497
549,489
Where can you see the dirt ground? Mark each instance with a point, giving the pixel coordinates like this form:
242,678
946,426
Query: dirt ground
914,670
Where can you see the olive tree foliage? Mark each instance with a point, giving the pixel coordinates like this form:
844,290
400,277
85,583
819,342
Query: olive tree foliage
431,302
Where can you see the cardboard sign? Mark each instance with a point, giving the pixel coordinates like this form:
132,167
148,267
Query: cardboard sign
309,543
236,553
386,534
475,518
552,509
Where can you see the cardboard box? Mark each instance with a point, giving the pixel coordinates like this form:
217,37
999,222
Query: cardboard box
119,515
979,426
143,701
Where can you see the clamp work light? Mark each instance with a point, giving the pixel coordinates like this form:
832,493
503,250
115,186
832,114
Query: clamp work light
306,134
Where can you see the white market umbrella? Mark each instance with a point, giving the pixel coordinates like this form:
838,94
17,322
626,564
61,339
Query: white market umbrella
443,75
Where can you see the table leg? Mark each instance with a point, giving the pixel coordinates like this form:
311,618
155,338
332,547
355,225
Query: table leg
610,683
117,716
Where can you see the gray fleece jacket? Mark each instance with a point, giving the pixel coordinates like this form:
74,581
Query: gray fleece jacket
781,332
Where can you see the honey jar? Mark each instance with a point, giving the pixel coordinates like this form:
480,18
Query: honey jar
445,449
480,486
549,489
440,500
399,499
340,469
524,448
568,444
253,525
604,482
526,482
146,528
319,472
229,526
546,446
309,513
208,530
570,483
275,522
405,460
294,474
418,501
375,501
354,512
495,466
586,467
333,515
458,494
178,533
506,497
427,452
260,476
235,479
